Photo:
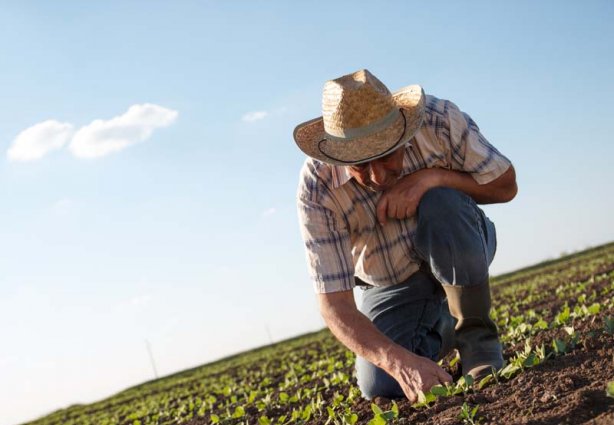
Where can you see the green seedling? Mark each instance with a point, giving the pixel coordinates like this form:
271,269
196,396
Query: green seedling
446,390
541,324
424,400
609,391
467,414
454,360
573,337
264,420
486,380
350,418
609,325
560,347
239,412
380,417
563,316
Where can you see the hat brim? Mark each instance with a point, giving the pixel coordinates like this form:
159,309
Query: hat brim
312,139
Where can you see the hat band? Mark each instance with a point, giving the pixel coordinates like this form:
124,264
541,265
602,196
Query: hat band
346,134
387,151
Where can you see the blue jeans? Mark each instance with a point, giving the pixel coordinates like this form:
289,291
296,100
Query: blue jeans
457,243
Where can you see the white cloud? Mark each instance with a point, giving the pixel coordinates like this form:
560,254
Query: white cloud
254,116
102,137
268,212
35,142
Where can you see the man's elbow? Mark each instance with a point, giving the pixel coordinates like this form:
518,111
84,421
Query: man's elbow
510,190
335,305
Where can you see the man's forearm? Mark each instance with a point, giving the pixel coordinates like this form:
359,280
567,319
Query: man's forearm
401,200
502,189
359,334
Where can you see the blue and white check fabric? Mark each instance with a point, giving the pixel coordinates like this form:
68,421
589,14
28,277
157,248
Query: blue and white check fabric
338,218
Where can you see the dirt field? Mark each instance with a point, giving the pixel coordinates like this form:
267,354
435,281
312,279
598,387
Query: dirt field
556,321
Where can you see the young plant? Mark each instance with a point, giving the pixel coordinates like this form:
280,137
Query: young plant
464,383
382,418
467,414
424,400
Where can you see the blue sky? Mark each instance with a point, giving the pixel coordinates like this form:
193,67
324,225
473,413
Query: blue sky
185,234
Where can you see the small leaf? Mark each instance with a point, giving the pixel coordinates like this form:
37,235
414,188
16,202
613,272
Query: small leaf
395,409
474,411
387,415
351,419
610,389
376,409
378,420
594,308
529,361
559,346
563,316
239,412
439,390
484,381
264,420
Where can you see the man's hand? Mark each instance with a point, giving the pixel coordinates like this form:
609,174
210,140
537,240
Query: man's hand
414,373
418,374
401,200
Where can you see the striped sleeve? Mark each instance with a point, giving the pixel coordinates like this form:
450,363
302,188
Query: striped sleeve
471,152
325,235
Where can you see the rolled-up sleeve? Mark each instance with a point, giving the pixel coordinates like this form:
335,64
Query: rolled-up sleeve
326,238
470,151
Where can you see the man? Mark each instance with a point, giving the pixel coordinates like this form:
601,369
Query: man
387,200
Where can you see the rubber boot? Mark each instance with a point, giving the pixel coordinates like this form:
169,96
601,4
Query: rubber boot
475,333
445,328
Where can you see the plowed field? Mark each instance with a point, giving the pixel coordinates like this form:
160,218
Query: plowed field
557,324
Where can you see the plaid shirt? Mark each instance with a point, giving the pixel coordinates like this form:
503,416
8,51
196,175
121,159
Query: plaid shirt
337,216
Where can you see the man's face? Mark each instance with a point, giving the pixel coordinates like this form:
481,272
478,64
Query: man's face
379,174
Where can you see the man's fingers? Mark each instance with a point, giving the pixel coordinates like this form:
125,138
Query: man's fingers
411,394
382,209
427,385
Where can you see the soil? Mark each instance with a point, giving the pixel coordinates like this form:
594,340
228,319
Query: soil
565,390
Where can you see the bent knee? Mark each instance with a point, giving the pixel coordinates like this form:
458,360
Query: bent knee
439,202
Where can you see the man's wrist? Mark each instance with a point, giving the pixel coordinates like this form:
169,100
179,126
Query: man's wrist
398,359
438,177
435,177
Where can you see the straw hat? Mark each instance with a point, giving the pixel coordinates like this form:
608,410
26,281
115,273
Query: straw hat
361,120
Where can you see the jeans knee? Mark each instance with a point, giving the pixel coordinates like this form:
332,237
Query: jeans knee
450,237
439,203
374,382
